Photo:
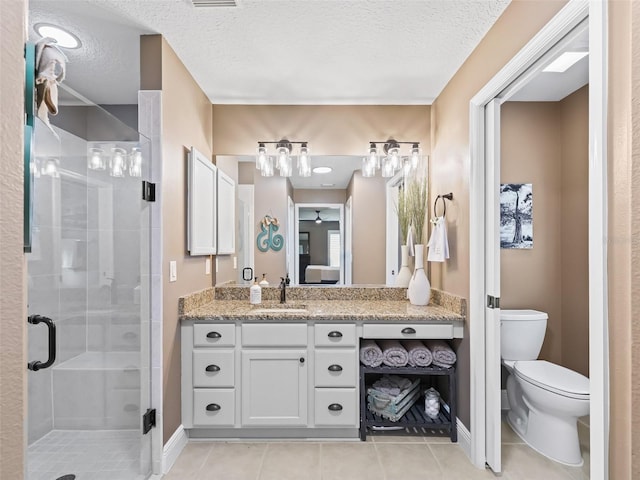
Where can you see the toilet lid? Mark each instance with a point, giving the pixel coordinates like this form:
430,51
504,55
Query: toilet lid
554,378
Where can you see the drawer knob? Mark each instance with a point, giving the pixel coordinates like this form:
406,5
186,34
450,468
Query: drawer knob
213,335
212,368
213,407
335,334
335,407
335,368
408,330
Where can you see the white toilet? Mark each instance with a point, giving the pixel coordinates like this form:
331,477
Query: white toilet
545,399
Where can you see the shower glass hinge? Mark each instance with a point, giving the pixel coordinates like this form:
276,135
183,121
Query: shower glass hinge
148,420
148,191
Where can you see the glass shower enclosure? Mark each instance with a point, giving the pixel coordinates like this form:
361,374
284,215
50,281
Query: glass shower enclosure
88,272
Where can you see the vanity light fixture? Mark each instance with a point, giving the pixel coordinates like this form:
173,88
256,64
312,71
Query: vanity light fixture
392,160
120,160
117,162
283,160
63,38
50,167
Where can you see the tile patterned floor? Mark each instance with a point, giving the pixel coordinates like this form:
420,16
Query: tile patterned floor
385,456
89,455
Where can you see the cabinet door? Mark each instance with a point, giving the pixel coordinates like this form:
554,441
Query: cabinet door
274,387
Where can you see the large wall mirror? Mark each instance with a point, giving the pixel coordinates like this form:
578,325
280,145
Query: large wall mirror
335,225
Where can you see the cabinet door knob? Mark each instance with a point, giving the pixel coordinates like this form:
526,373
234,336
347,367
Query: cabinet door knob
335,368
335,334
335,407
213,335
213,407
301,359
212,368
408,330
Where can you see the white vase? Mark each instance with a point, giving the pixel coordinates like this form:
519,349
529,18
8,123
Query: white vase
419,288
404,275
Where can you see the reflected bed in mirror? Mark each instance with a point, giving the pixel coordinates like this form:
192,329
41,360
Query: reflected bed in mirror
361,247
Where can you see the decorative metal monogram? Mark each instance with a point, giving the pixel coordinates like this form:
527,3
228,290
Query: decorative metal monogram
266,239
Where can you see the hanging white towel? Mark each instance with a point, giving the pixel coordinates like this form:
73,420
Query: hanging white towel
438,242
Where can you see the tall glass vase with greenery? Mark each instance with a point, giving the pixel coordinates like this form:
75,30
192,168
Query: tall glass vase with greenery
404,220
419,287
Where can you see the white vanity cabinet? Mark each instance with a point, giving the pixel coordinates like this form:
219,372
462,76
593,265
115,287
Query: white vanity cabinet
274,374
335,375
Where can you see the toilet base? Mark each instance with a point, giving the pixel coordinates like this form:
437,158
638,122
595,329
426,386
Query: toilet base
551,437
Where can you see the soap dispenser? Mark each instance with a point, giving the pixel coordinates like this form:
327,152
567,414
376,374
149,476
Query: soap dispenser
263,282
255,293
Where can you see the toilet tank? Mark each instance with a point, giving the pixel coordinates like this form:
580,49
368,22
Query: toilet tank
521,334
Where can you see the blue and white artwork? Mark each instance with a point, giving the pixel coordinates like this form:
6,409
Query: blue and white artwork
516,215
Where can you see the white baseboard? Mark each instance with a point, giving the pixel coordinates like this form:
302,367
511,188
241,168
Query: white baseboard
464,438
173,448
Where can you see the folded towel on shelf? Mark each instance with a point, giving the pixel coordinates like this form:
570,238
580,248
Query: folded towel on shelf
393,353
370,353
419,354
410,400
392,385
391,404
443,355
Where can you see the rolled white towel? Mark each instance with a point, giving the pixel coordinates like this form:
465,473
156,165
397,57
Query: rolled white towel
419,354
370,353
393,353
443,355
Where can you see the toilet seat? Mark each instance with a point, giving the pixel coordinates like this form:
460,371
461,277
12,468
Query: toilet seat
553,378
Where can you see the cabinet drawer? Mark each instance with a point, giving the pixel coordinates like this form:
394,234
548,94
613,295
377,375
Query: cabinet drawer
274,335
213,368
335,368
327,334
400,330
214,335
336,406
213,407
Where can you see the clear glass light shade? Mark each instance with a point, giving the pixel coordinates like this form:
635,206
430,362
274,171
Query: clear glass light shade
267,167
415,156
387,169
95,160
117,162
368,167
393,157
261,156
407,166
135,163
374,158
50,167
304,162
283,157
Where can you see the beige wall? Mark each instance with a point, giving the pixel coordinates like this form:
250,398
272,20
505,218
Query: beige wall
13,311
531,152
330,130
546,144
317,195
574,118
449,165
186,122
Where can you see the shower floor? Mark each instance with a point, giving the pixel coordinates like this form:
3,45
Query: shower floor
89,455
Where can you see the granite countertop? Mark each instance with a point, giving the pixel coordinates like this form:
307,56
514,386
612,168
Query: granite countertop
322,310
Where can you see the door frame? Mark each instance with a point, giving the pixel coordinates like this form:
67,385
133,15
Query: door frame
568,18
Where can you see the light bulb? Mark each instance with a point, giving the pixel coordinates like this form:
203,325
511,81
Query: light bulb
415,156
387,169
96,159
374,158
368,168
50,167
394,158
267,167
135,163
304,161
117,162
261,156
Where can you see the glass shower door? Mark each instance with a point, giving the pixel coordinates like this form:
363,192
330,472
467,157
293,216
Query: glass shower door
88,273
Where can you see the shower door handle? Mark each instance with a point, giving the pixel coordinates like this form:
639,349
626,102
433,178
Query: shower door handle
51,327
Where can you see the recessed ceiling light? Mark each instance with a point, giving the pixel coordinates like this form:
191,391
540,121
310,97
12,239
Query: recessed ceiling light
322,170
564,62
63,38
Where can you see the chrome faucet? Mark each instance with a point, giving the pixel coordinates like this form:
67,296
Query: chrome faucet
283,290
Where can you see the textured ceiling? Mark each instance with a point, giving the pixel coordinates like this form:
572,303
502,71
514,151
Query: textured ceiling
278,52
